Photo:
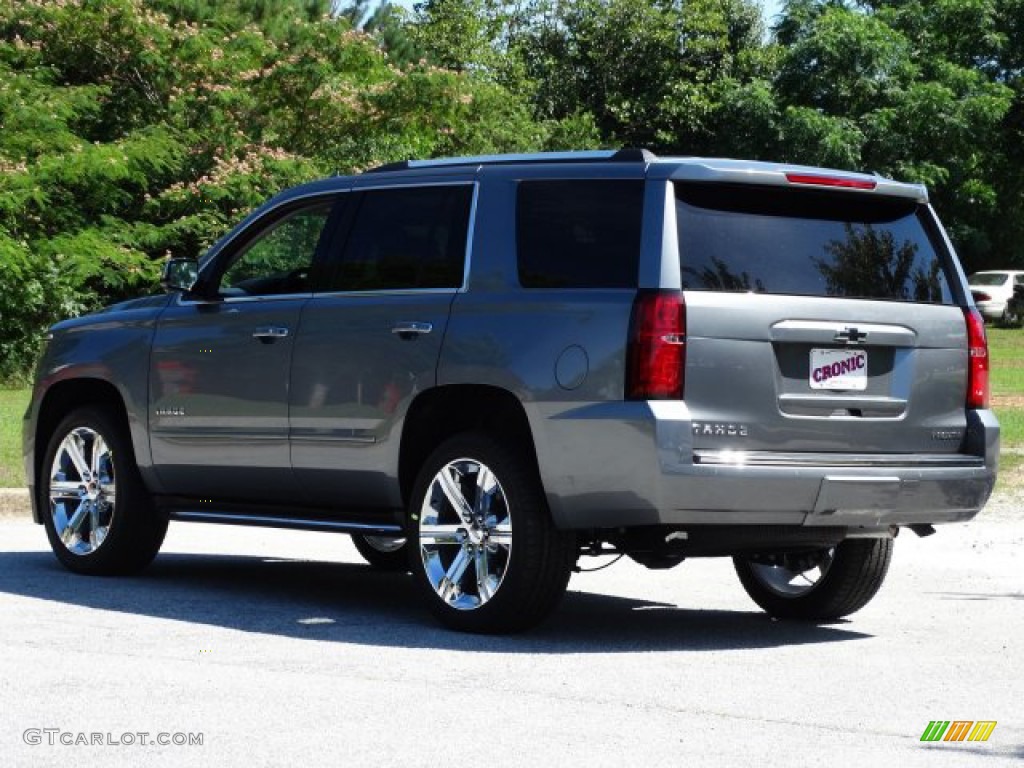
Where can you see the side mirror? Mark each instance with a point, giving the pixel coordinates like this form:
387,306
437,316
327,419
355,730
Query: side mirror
179,274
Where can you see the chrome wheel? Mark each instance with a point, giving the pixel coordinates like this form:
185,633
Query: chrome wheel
94,524
465,534
82,491
467,495
794,575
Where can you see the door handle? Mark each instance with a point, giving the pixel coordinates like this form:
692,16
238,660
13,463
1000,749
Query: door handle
268,334
411,329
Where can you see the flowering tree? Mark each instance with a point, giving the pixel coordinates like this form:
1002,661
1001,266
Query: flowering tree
134,130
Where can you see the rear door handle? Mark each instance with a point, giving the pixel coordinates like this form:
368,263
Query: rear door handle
411,329
268,334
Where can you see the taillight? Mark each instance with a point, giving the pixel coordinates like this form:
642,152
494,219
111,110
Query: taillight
980,296
977,360
656,354
819,180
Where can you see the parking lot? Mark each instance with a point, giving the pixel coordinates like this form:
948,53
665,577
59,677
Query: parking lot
282,648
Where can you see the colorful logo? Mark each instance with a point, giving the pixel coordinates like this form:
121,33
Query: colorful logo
958,730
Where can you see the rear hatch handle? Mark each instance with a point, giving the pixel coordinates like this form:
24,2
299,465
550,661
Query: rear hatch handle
832,332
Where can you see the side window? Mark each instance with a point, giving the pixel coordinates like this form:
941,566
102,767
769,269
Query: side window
579,234
279,260
407,237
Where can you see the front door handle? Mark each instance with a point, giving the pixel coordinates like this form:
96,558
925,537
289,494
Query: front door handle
268,334
411,329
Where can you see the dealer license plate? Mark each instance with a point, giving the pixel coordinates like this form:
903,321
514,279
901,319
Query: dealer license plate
839,369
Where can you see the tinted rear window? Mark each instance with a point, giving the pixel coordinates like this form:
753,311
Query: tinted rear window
986,278
579,234
806,242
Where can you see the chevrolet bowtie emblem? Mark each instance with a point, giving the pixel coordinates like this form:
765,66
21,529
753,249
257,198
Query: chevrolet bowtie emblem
850,335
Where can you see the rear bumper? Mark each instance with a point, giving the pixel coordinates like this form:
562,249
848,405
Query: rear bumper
991,310
632,464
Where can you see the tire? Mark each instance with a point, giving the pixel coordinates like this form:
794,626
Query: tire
484,552
386,553
99,518
817,586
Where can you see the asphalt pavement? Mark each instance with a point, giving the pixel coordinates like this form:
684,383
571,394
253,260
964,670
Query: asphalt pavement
280,648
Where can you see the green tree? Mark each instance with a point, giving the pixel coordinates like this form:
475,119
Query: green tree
973,46
135,129
462,35
892,88
670,76
389,25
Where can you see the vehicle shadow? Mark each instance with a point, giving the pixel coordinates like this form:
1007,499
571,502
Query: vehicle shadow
354,603
978,595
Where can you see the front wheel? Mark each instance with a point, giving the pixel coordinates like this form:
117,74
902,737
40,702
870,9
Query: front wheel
817,586
483,549
98,516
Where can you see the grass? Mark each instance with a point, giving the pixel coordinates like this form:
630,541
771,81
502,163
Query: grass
1006,347
13,403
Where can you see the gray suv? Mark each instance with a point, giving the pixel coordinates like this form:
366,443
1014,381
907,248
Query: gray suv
485,368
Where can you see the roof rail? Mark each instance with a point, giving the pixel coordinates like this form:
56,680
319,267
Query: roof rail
628,155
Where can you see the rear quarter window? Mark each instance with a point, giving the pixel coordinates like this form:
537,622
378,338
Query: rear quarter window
807,242
579,234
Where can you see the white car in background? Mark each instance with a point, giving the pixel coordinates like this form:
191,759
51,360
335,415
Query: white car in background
993,289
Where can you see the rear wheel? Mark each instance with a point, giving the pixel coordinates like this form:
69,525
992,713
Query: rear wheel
484,552
388,553
1012,316
817,586
98,516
